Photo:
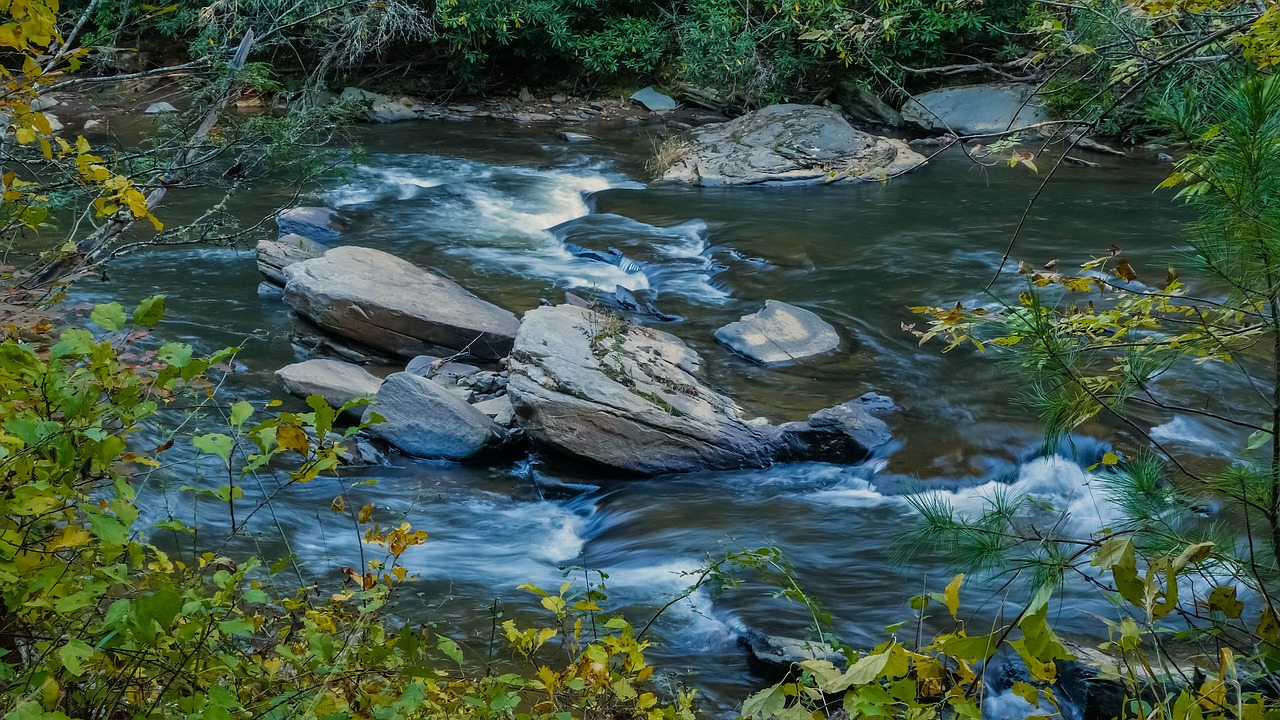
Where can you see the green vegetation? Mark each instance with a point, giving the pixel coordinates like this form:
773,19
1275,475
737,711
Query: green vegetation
101,621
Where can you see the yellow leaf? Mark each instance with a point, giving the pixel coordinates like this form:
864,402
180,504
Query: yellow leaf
292,438
366,514
952,594
25,136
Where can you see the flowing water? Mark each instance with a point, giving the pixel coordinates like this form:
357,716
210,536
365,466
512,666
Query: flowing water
500,208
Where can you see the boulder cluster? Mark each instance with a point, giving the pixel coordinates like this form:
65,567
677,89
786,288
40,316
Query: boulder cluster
451,375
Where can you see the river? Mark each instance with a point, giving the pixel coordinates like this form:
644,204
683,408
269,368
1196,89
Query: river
492,205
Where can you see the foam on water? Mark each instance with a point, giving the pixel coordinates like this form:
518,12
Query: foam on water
508,219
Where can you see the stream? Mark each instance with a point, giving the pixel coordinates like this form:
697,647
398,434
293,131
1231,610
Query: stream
493,205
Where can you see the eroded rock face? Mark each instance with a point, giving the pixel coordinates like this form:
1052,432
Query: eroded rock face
336,381
276,255
422,418
976,109
779,333
789,145
394,306
590,386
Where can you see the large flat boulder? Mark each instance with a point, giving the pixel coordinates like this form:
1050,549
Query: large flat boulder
779,333
276,255
789,145
591,386
394,306
976,109
336,381
422,418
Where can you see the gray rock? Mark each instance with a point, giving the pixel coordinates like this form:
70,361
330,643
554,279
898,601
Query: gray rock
559,98
160,108
861,105
421,365
568,136
424,419
378,108
779,333
526,96
309,342
846,433
976,109
269,291
789,145
499,409
95,125
394,306
654,100
276,255
337,382
1164,158
316,223
591,386
785,654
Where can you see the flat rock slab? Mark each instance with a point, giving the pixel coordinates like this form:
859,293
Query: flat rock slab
654,100
337,382
422,418
779,333
789,145
394,306
276,255
976,109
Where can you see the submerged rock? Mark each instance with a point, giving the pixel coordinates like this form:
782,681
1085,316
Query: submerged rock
591,386
784,654
160,108
789,145
396,307
845,433
422,418
276,255
976,109
779,333
314,223
336,381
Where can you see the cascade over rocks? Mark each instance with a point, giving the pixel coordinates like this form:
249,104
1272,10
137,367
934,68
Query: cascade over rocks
789,145
779,333
394,306
589,385
976,109
421,417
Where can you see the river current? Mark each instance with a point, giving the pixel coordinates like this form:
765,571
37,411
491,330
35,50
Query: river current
498,207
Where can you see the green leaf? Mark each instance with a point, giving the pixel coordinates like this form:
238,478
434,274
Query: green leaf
72,654
449,648
240,412
236,627
109,317
765,704
76,341
215,444
175,354
149,312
